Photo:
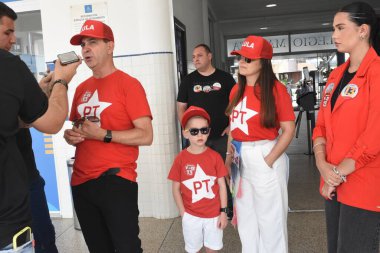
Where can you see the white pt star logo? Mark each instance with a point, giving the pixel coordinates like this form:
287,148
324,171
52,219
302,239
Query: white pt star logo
200,185
239,116
93,107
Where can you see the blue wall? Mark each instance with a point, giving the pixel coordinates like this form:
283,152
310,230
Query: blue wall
44,154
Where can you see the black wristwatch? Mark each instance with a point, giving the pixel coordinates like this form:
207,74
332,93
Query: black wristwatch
224,210
108,137
61,81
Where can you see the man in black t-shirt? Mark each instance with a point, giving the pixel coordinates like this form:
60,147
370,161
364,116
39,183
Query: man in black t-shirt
22,98
14,183
208,88
43,229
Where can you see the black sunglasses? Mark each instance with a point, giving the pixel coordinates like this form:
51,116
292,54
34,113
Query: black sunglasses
80,121
247,60
195,131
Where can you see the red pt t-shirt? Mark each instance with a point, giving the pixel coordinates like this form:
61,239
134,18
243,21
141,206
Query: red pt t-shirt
117,100
198,175
245,117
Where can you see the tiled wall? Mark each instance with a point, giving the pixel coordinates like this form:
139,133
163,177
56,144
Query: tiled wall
155,72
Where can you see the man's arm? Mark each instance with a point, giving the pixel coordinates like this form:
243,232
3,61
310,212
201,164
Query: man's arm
140,135
44,85
181,108
52,121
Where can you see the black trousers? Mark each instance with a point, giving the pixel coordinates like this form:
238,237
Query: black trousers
351,229
108,214
43,229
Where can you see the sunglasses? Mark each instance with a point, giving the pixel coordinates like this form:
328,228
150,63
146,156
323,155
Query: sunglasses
79,122
195,131
247,60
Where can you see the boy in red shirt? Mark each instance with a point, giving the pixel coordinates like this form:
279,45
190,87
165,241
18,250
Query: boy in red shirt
199,188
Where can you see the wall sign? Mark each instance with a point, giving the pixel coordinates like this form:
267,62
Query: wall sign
311,42
82,12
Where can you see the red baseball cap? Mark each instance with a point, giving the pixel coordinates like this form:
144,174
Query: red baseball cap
255,47
93,29
193,111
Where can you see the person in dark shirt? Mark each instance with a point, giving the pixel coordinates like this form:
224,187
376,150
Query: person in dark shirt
22,98
209,88
43,228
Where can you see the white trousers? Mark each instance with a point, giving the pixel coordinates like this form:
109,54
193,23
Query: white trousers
262,208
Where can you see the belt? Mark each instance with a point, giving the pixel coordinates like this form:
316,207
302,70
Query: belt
110,172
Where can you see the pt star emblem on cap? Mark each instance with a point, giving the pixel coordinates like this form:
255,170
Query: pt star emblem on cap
200,185
239,116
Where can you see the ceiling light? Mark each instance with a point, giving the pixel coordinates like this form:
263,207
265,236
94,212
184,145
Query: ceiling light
271,5
264,28
326,23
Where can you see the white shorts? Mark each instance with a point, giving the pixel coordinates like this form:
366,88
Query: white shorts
201,231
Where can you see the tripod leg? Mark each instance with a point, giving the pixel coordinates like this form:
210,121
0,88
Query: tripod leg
298,122
312,118
298,117
309,142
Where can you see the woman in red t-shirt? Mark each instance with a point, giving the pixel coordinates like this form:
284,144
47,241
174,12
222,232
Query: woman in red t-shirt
259,107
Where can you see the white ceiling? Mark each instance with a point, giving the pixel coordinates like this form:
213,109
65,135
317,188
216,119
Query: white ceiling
237,18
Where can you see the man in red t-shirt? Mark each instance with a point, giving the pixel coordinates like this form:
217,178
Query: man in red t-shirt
111,117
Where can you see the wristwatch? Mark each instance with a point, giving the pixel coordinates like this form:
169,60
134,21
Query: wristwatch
61,81
224,210
108,137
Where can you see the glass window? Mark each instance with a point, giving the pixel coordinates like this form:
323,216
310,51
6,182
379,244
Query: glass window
29,42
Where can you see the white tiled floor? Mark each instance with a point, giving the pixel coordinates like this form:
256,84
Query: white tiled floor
306,229
306,235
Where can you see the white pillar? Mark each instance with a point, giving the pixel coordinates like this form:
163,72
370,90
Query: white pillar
144,48
206,28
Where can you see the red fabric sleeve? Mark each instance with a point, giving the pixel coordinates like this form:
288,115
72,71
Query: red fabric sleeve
284,106
136,102
175,171
367,147
320,129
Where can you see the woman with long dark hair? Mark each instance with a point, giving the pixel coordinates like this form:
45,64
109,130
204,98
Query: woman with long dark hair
260,106
347,133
